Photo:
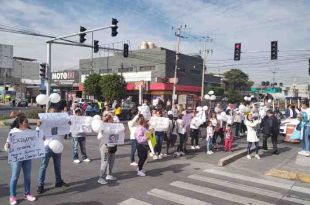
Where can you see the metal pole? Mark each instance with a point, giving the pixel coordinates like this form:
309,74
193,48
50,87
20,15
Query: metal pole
176,66
48,72
92,52
203,70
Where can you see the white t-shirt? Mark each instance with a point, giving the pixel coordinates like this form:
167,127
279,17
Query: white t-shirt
181,126
209,132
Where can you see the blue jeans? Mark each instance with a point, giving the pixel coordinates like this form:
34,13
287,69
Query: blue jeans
79,141
44,163
133,150
209,144
159,141
306,140
16,167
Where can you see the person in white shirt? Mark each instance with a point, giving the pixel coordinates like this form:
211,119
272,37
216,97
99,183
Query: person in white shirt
194,126
132,125
210,132
181,130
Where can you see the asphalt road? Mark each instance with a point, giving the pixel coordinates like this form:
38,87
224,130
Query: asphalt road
192,179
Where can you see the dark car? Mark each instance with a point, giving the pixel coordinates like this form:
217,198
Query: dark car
22,103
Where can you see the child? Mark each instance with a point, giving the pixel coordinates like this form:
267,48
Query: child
79,138
181,129
210,133
228,138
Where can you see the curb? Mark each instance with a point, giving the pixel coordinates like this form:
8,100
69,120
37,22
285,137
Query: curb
233,157
291,175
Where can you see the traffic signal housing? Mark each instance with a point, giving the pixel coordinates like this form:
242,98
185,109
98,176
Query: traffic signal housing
96,46
82,35
237,51
126,50
309,67
114,27
274,50
43,70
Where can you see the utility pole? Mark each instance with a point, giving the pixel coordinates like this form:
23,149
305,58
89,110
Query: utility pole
177,53
204,65
48,72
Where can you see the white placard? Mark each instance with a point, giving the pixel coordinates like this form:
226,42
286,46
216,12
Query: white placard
80,124
113,133
145,111
160,124
25,145
53,124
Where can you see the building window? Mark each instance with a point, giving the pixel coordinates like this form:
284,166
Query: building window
129,69
106,70
147,68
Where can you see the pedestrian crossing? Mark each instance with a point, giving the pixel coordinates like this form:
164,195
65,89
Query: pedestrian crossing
215,186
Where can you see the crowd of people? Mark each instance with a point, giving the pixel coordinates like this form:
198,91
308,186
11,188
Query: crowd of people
217,126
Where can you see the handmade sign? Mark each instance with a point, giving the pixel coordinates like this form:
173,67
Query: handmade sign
113,133
25,145
151,140
160,124
54,123
145,111
80,124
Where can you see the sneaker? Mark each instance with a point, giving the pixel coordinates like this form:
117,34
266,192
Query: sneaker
302,152
141,173
111,178
182,153
192,147
209,152
257,156
13,200
61,184
29,197
133,164
76,161
197,147
102,181
40,189
86,160
276,152
155,157
249,156
307,154
178,153
160,156
165,155
151,154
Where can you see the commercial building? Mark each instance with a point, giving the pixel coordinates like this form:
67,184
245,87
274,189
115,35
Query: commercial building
153,68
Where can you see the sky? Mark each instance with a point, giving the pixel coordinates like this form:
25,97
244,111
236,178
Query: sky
253,23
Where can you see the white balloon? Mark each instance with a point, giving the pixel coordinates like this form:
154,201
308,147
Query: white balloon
97,117
219,117
252,96
246,110
269,101
42,99
205,108
223,114
88,120
56,146
213,97
225,118
207,97
211,92
199,109
54,97
96,125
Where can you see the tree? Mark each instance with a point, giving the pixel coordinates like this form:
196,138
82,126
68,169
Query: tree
92,85
234,96
113,87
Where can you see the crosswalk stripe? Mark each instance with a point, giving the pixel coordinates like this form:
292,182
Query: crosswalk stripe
176,198
286,185
218,194
249,189
131,201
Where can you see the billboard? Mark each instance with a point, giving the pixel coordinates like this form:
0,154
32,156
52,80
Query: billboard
66,77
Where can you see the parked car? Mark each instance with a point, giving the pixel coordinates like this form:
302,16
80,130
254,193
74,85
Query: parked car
285,122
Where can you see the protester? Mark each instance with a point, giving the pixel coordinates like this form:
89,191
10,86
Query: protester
181,130
21,125
228,138
45,160
270,128
159,139
237,123
79,139
194,126
210,132
117,110
107,153
132,125
251,126
171,133
141,138
306,129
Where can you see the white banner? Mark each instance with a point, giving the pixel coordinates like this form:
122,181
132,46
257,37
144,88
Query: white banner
25,145
160,124
54,124
113,133
80,124
145,111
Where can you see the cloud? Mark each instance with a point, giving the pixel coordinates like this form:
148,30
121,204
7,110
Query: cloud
253,23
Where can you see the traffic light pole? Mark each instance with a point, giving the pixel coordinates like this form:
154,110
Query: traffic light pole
48,72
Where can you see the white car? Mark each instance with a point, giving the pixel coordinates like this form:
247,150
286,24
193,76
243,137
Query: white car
285,122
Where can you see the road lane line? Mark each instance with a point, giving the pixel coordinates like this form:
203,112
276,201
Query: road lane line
131,201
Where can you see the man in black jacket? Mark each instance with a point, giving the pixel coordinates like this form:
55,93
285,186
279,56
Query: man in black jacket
270,126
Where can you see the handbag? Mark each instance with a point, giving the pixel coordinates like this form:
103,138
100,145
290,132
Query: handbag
296,135
112,150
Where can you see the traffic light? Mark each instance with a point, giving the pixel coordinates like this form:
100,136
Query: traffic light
126,48
309,67
43,70
114,27
274,50
237,53
96,46
82,35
